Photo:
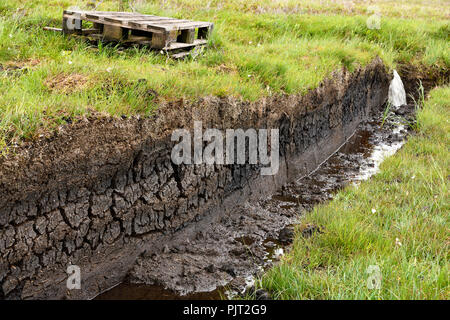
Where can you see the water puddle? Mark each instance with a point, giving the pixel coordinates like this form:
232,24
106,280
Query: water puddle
274,250
357,160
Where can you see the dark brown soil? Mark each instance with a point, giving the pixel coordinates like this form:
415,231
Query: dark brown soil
429,77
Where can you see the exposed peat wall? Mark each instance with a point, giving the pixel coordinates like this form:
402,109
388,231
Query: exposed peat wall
101,191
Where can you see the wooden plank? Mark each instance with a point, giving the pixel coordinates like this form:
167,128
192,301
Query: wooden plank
53,29
180,55
101,13
182,26
138,39
162,40
146,27
179,45
142,21
159,40
112,16
105,16
168,22
114,33
144,18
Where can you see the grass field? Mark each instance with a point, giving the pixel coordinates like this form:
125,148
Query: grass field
398,221
258,48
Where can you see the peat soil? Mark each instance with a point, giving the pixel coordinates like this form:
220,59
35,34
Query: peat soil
220,256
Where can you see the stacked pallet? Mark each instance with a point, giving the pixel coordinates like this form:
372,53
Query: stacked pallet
162,33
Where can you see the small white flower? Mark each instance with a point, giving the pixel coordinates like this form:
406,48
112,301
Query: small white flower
10,35
413,177
249,42
374,210
109,69
397,242
70,62
249,75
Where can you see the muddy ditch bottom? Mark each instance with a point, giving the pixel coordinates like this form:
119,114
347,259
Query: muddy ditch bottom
219,257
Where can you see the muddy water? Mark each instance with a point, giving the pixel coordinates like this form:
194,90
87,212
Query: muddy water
357,160
249,248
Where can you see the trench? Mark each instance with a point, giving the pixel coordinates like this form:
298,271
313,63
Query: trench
103,194
356,160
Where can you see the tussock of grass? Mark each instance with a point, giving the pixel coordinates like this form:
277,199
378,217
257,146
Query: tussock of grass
407,236
258,48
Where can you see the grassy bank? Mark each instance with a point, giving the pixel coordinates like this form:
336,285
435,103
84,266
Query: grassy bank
258,48
397,221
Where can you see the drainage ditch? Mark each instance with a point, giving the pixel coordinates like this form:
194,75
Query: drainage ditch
103,194
248,251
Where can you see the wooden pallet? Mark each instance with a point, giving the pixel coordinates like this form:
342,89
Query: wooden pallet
128,27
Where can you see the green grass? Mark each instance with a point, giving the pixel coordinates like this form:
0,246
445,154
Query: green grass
411,200
258,48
